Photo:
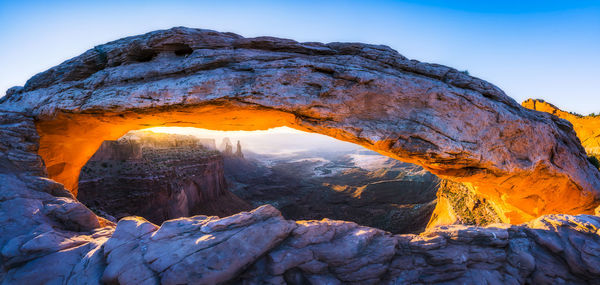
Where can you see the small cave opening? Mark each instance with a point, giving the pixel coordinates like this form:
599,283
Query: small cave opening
169,172
182,49
142,55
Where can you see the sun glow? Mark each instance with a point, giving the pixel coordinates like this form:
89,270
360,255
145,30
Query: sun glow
213,133
275,141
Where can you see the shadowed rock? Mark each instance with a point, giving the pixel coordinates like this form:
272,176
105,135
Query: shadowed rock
159,177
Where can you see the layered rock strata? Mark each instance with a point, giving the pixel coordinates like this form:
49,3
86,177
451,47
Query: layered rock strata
457,126
460,204
157,176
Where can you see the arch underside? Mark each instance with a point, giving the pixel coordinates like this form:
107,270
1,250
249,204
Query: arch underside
69,140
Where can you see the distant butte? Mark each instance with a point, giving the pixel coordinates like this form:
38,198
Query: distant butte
586,127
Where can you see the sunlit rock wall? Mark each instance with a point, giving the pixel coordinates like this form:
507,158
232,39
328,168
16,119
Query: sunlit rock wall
157,176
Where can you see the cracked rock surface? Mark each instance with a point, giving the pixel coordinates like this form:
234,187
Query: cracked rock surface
458,127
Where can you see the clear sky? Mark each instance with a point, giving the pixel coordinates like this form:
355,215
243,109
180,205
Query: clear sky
541,49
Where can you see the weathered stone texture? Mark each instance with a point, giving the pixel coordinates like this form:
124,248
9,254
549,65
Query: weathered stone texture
459,127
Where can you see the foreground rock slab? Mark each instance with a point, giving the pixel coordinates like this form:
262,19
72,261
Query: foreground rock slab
260,247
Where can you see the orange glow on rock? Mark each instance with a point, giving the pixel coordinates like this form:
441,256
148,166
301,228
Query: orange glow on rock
67,141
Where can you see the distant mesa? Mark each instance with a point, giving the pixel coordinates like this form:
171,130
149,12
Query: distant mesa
586,127
158,176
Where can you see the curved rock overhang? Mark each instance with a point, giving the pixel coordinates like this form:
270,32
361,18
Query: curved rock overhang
458,127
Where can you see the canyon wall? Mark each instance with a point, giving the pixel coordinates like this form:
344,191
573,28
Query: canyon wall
157,176
393,196
461,204
586,127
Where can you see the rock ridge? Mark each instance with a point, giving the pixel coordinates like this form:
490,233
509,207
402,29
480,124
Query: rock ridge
586,127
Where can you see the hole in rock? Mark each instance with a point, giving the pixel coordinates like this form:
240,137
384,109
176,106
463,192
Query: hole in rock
142,55
169,172
182,49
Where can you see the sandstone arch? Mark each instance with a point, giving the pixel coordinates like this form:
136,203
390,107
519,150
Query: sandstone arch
456,126
459,127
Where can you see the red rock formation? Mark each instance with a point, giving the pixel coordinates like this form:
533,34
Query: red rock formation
586,127
526,163
157,176
459,204
459,127
238,150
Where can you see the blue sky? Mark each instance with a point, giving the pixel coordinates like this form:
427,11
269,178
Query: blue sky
540,49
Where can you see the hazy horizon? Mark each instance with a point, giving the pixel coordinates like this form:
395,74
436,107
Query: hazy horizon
275,141
530,49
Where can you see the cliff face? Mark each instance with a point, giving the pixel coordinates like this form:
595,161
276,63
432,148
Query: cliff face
460,204
157,176
586,127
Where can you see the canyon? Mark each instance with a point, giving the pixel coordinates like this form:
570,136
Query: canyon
387,194
159,177
529,166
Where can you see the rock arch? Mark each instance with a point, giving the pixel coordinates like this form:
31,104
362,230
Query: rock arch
459,127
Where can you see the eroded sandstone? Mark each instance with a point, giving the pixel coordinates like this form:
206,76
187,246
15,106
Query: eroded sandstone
586,127
159,177
457,126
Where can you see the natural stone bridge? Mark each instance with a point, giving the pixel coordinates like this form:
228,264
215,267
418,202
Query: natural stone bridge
525,163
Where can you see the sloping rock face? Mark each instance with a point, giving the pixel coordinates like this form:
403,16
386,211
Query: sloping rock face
586,127
460,204
457,126
157,176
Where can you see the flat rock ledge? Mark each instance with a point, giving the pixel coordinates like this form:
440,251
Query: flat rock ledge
260,247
